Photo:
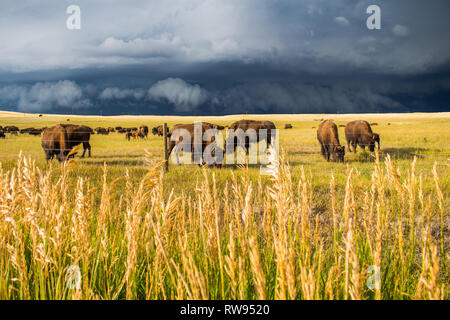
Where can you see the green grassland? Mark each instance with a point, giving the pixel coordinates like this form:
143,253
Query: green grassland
404,137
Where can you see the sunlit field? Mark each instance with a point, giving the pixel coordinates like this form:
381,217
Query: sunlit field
312,230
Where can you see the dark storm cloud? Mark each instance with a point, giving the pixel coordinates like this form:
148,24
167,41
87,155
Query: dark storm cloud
216,56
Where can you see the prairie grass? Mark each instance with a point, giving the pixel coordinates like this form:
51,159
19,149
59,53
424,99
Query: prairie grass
243,241
311,230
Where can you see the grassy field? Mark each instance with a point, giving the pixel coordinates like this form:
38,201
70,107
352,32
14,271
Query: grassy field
311,231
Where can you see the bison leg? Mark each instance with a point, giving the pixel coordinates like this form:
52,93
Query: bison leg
86,146
349,144
327,153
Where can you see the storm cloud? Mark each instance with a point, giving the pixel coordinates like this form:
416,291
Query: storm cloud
219,57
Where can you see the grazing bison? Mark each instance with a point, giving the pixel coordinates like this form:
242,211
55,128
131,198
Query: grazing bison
143,132
118,128
176,140
133,132
100,130
77,135
60,139
374,124
53,141
12,129
2,134
360,133
111,129
327,134
245,126
288,126
31,131
159,130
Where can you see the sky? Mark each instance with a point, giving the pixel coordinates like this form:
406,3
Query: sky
216,57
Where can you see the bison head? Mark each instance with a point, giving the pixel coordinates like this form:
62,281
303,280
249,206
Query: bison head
376,138
338,153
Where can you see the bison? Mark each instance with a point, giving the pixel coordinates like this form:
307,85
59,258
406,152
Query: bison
12,129
60,139
288,126
77,135
245,126
53,141
2,134
360,133
158,131
176,140
100,130
111,129
143,131
327,134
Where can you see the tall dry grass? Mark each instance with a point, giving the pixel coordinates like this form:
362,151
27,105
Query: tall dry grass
246,241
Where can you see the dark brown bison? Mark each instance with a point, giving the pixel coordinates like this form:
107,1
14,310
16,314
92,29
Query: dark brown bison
132,132
2,134
374,124
288,126
143,131
176,139
111,129
78,135
60,139
54,142
360,133
327,134
342,126
11,129
100,130
159,130
31,131
246,126
118,128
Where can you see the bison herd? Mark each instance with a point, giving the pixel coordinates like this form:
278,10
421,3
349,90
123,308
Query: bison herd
60,139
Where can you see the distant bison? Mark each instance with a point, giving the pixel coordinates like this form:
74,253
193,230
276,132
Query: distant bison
111,129
327,134
60,139
100,130
2,134
31,131
143,131
118,128
158,131
11,129
288,126
342,126
374,124
359,133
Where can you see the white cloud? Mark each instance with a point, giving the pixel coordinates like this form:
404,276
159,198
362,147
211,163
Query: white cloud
342,21
184,96
400,30
116,93
45,96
